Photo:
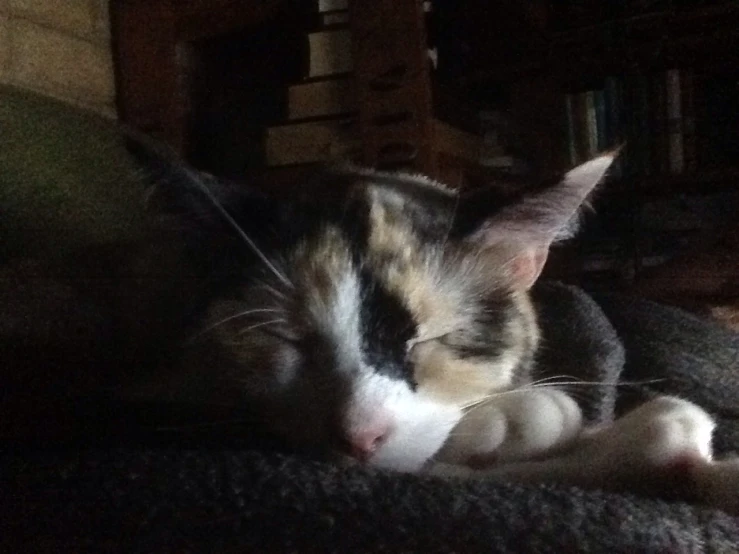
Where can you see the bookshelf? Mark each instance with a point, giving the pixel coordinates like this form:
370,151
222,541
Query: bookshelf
675,66
214,78
267,93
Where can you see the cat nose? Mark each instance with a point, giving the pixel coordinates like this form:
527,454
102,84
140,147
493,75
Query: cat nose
363,442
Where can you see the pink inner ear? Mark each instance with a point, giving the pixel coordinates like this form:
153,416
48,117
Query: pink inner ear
527,266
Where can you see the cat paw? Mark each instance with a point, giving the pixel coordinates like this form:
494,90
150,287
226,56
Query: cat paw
662,432
517,425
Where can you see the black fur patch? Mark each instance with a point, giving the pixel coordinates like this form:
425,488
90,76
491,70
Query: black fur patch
487,337
386,327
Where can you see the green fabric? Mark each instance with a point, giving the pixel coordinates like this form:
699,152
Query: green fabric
65,178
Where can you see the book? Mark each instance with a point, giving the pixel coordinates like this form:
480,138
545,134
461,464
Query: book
571,131
658,125
687,96
599,102
330,52
648,104
591,127
641,128
328,97
613,98
674,121
630,111
580,126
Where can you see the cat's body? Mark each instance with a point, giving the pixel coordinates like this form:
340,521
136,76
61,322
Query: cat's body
388,319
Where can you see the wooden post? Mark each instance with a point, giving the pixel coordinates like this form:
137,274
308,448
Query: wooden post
393,84
146,67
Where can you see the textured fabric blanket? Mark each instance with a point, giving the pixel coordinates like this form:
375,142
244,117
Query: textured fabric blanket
192,496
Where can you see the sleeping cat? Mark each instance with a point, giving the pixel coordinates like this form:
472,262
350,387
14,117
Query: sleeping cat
384,317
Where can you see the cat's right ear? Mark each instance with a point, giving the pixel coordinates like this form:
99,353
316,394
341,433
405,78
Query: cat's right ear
526,226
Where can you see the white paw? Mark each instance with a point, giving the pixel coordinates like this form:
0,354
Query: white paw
514,426
662,448
662,432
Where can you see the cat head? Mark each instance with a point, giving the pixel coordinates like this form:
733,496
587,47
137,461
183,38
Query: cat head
368,311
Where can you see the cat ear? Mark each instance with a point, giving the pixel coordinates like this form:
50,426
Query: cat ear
189,197
526,227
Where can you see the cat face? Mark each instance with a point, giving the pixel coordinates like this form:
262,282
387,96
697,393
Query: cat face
368,316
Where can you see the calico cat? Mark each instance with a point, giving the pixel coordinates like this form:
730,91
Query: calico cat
386,318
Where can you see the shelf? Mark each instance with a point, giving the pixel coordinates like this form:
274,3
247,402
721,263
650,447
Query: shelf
665,24
632,44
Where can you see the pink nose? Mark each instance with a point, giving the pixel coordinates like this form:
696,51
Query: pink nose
364,442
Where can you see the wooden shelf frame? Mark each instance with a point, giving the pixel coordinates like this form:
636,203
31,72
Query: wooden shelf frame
146,35
393,84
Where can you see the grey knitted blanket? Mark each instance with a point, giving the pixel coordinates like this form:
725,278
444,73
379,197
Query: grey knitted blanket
197,496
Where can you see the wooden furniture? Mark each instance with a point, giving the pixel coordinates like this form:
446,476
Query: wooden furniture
544,57
151,89
392,80
527,52
393,84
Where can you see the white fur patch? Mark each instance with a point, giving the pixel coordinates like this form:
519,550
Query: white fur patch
336,314
515,425
420,425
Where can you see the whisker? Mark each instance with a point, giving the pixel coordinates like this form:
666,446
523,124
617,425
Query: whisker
527,387
555,384
551,378
550,382
235,316
478,402
272,290
596,383
261,324
231,221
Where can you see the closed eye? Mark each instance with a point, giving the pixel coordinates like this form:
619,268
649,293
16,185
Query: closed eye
283,334
424,340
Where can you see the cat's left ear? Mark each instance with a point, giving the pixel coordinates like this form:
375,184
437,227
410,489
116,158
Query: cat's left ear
194,200
526,228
